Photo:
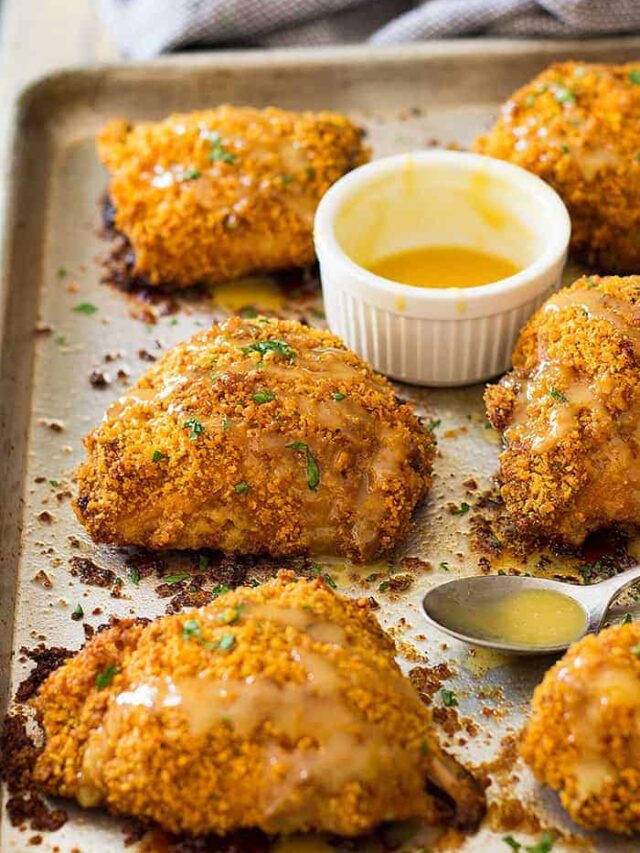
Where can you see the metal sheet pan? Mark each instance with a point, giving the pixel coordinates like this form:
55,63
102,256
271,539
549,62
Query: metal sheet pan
407,97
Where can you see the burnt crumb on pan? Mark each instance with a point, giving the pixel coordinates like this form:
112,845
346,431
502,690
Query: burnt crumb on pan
242,841
52,424
25,806
145,355
43,579
46,660
45,517
415,564
427,680
99,379
90,573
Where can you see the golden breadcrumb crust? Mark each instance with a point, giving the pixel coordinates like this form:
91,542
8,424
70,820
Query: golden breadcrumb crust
221,193
257,436
576,125
149,761
573,392
582,736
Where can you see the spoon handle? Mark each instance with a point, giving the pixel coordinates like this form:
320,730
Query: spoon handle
601,594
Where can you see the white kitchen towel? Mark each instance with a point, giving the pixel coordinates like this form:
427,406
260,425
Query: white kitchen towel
144,28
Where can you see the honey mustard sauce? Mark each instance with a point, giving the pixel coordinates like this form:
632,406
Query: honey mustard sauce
443,266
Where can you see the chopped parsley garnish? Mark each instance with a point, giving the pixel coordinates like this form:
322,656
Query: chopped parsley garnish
261,397
449,698
627,619
241,488
195,428
226,423
54,483
134,575
78,612
220,589
558,395
462,509
444,566
218,152
338,395
563,95
287,179
636,650
248,312
565,149
424,747
227,642
87,308
274,345
181,576
384,586
433,424
203,562
191,629
104,678
231,614
310,172
62,272
313,472
634,77
60,339
191,175
326,577
543,846
512,843
158,456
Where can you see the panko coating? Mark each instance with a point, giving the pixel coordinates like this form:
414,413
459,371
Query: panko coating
217,194
257,436
569,412
279,707
577,126
583,736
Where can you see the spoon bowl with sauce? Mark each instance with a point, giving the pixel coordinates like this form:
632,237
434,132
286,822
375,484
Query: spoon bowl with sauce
522,615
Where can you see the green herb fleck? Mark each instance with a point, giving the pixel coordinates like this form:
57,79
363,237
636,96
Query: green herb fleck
173,321
444,566
634,77
87,308
191,175
310,172
226,642
329,580
563,95
384,586
134,575
501,572
62,272
104,678
195,428
627,619
558,395
449,698
271,345
313,472
261,397
54,483
218,152
338,395
543,846
226,423
191,630
636,650
287,179
488,425
203,562
220,589
181,576
433,424
512,843
60,339
78,612
158,456
424,747
565,149
241,488
248,312
462,509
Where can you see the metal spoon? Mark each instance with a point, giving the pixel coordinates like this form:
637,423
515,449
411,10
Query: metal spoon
475,593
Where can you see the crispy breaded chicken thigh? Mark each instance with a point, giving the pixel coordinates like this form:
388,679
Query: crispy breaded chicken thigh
578,126
221,193
279,707
257,436
569,412
582,738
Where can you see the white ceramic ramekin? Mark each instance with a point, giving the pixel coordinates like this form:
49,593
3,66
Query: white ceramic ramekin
447,336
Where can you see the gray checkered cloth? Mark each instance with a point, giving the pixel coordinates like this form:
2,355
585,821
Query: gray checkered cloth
144,28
